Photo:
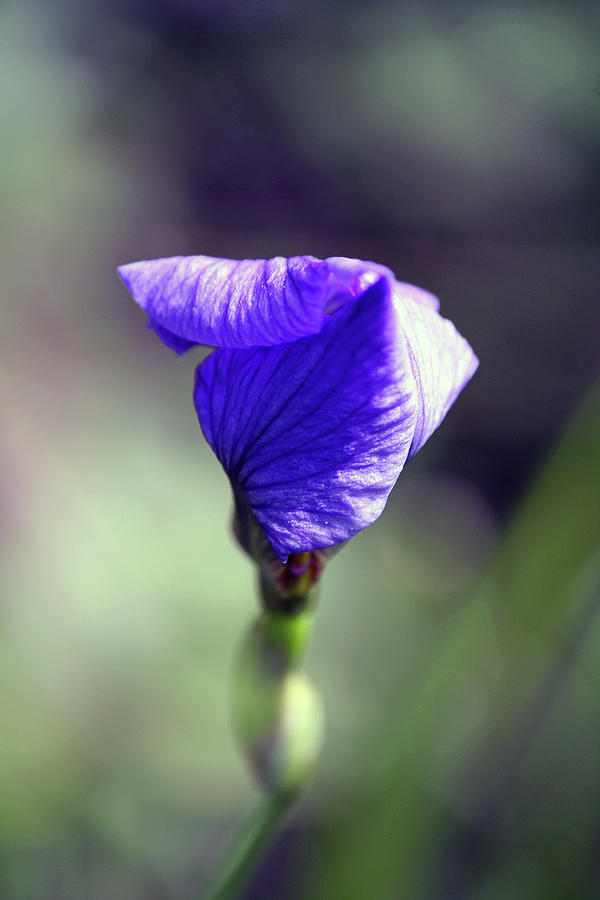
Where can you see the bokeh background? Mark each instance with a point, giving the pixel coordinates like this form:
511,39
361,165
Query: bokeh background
457,646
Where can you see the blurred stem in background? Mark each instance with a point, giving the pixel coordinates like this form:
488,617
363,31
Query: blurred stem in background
518,767
277,713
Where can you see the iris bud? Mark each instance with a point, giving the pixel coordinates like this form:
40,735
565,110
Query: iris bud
277,713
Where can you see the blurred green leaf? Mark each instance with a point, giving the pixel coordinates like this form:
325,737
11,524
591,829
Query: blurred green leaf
468,719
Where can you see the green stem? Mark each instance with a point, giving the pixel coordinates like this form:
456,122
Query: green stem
249,848
289,634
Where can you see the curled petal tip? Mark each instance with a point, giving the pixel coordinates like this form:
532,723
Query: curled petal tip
244,303
442,361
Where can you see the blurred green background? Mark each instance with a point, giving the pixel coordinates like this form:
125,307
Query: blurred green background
457,645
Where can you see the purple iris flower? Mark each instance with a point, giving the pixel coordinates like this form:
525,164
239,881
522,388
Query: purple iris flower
329,375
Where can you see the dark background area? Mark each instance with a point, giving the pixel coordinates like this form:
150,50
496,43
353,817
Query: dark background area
457,143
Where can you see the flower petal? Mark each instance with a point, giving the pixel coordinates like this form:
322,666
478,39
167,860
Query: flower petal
314,433
442,361
244,303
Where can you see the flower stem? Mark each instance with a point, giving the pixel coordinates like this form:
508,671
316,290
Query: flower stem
249,848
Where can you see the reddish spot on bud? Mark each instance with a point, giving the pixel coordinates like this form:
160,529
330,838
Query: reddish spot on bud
301,571
298,563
